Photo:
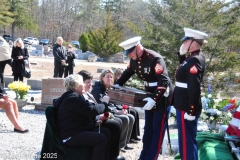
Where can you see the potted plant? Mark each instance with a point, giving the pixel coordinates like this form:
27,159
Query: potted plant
21,91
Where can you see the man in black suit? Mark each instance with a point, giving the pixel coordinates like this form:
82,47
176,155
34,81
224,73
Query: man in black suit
59,53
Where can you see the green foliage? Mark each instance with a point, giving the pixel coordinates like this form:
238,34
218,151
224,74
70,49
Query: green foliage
111,5
104,41
84,42
220,20
135,82
5,16
65,43
23,18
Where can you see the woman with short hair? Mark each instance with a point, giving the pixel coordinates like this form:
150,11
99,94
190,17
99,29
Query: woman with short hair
74,119
19,54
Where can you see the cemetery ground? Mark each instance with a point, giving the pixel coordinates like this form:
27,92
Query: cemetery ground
15,146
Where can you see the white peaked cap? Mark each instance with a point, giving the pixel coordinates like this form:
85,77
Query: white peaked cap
130,42
195,34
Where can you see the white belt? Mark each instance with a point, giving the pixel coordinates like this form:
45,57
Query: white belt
150,84
182,85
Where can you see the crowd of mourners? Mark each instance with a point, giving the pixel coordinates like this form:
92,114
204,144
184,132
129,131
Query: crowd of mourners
83,108
85,116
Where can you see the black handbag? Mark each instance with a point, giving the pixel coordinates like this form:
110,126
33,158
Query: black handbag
25,73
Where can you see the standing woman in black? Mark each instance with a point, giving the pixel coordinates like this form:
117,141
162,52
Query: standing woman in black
19,54
70,61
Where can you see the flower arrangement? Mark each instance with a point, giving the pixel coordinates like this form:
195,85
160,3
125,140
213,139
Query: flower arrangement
216,108
19,88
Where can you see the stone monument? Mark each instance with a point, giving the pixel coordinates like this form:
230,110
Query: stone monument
52,88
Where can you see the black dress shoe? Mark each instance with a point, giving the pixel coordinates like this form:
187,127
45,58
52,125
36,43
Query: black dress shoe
123,150
128,147
120,158
133,141
19,131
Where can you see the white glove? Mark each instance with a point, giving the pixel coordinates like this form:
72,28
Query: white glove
190,118
106,99
150,104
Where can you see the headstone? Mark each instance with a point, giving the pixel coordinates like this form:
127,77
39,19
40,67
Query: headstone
35,84
39,47
100,59
52,88
37,53
86,54
92,58
110,59
8,80
79,54
99,70
119,58
46,48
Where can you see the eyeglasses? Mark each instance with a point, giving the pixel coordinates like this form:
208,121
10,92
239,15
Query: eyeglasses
69,47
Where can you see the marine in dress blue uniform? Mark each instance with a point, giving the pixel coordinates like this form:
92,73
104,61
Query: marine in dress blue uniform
187,98
150,67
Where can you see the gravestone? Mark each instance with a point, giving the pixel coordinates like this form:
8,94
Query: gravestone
119,58
37,53
39,47
86,54
79,54
52,88
92,58
46,50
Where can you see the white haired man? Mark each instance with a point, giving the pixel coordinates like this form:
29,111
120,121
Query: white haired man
59,53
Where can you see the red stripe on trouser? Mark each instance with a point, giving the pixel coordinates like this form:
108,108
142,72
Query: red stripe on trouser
184,137
161,136
236,115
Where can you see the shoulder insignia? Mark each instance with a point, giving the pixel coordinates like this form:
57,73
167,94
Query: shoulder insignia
158,68
193,69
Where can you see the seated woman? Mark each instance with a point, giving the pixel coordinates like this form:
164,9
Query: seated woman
74,119
114,125
136,130
99,90
11,108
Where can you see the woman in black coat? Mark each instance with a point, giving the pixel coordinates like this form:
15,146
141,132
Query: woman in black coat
74,119
19,54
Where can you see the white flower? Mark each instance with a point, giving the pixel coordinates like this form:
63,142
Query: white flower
229,114
219,112
216,100
209,95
